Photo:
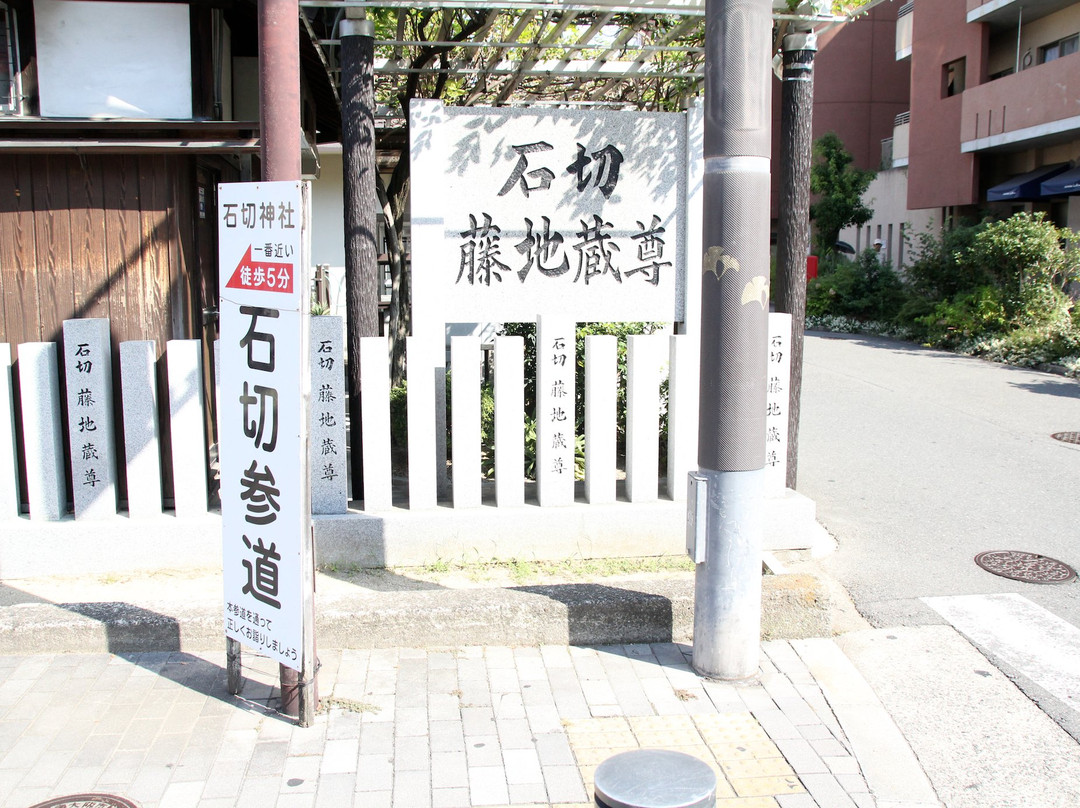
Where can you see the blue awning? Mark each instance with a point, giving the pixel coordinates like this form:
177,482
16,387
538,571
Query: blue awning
1025,186
1064,184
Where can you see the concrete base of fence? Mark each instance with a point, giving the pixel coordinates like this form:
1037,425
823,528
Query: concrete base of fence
107,546
403,538
612,612
394,538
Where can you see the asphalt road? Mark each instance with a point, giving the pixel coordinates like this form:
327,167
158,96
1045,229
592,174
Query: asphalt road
919,460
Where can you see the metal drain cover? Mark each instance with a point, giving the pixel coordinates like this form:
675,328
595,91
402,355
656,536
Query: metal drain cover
1030,568
1067,437
86,801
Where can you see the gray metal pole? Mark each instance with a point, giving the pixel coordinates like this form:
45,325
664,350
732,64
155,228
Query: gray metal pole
734,329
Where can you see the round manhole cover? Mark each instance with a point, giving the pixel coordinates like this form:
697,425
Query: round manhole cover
1067,437
1030,568
87,801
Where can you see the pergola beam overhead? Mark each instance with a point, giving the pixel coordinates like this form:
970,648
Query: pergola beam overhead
548,67
679,7
643,53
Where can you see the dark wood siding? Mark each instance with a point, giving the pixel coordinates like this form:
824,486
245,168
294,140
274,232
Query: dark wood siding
94,236
99,236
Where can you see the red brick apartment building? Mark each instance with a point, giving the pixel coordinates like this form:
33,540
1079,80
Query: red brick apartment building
993,122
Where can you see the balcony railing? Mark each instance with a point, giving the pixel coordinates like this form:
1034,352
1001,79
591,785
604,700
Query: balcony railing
901,134
904,21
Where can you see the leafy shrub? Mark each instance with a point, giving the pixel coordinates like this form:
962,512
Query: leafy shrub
938,270
1029,347
968,315
1024,255
995,289
866,289
619,330
399,416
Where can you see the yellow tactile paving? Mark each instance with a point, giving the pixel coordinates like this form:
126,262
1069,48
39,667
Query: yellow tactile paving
728,728
662,723
723,787
757,767
766,786
662,740
745,751
749,768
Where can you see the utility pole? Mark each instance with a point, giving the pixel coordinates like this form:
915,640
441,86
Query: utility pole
279,150
734,331
362,279
279,89
793,224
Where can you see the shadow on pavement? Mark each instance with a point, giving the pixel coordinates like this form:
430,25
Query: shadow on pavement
153,641
604,615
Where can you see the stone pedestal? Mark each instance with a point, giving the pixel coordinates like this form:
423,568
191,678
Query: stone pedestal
142,430
601,405
329,469
555,411
184,360
9,477
509,421
644,354
465,418
39,394
378,477
91,436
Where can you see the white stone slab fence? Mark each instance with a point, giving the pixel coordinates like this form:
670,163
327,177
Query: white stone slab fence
92,459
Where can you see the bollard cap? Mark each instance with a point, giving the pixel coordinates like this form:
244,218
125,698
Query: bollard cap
654,778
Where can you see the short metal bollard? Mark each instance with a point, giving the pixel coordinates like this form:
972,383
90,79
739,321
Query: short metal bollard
654,778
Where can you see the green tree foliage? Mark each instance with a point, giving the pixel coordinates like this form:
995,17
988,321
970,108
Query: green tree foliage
1024,256
839,187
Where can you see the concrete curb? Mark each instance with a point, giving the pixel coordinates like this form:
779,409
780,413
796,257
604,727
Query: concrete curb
612,612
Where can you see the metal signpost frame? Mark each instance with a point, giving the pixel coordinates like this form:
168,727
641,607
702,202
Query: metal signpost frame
264,423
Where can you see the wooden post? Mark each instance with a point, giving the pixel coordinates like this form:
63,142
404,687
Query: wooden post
793,222
362,280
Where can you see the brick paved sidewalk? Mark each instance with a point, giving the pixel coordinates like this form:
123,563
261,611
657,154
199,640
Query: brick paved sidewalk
412,728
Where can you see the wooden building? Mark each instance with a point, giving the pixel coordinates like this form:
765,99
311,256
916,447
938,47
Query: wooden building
117,121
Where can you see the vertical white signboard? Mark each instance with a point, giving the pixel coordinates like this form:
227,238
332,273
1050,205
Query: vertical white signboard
265,498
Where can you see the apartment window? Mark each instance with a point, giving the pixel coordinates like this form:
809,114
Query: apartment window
953,76
9,61
1063,47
